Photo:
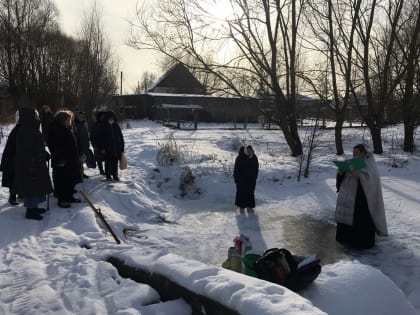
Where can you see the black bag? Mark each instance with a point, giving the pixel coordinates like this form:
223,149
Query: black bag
281,267
90,159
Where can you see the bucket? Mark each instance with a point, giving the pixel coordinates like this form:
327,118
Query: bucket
249,260
236,263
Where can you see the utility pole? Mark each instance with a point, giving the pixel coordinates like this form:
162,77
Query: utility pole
121,83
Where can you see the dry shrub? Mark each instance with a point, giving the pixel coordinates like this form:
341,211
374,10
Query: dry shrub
168,153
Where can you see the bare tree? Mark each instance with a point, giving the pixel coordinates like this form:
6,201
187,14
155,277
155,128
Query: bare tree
333,24
377,26
23,23
257,45
409,49
146,81
97,71
44,66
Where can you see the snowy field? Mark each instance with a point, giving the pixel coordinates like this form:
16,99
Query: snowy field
57,265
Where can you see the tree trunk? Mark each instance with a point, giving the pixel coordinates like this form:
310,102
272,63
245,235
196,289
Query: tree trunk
287,123
409,137
375,132
292,138
338,134
295,144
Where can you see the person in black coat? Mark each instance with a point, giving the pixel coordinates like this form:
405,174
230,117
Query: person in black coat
65,162
113,145
32,180
254,168
47,118
245,175
82,137
97,140
7,165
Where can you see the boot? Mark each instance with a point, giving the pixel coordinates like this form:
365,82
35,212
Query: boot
75,200
13,201
64,204
41,210
101,168
116,178
33,214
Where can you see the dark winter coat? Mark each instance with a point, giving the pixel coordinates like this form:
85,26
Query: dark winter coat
245,175
7,166
32,178
64,152
253,167
113,141
82,136
46,120
96,136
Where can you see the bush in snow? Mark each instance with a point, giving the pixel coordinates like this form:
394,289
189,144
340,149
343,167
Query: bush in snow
187,181
168,153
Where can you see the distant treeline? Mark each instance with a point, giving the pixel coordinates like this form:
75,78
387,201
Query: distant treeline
40,65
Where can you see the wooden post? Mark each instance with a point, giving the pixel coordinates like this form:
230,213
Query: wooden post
195,115
234,117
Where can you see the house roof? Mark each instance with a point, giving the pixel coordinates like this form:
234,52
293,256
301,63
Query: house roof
178,79
184,106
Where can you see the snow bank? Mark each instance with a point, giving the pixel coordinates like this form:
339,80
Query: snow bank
357,289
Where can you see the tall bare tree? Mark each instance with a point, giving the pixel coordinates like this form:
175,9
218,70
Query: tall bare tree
377,26
257,45
23,23
333,24
97,71
409,48
44,66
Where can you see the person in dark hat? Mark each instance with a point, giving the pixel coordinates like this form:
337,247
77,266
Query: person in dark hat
96,138
7,165
253,167
245,175
113,145
82,137
32,180
47,118
65,162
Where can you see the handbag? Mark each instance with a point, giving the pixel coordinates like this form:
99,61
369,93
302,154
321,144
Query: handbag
123,162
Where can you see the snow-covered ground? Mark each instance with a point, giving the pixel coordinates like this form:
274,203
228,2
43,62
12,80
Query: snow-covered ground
57,266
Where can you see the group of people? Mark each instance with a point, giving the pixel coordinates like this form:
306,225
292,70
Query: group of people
360,212
25,160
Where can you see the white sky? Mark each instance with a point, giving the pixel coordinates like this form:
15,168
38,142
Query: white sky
115,14
45,267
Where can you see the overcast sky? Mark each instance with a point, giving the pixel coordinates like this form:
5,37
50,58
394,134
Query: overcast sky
115,14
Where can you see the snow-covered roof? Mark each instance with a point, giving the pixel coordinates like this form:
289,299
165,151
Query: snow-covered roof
165,75
177,79
190,95
176,106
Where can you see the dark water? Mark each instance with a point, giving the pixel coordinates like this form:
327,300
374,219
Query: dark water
305,235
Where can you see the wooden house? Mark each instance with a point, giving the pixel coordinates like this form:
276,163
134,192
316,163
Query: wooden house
178,96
